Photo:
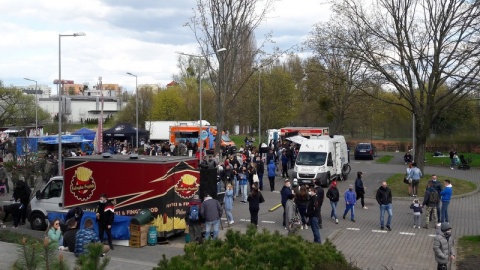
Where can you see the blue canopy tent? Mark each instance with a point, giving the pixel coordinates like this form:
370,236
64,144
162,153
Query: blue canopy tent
87,133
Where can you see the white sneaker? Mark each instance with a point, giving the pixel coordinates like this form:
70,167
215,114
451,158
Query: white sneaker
301,227
231,222
306,227
336,221
365,207
414,226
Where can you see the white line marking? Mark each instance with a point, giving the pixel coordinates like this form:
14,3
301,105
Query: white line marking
380,231
406,233
431,235
268,221
353,229
244,219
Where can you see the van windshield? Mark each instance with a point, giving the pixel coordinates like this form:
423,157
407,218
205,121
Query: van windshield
311,158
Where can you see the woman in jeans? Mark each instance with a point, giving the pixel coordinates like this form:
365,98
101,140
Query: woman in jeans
415,175
301,200
334,196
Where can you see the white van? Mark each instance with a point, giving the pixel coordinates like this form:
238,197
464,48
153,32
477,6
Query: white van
321,158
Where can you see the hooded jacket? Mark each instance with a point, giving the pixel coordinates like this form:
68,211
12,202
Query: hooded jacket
446,193
443,247
271,169
384,196
333,194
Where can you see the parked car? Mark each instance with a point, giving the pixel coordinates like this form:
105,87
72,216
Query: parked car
365,150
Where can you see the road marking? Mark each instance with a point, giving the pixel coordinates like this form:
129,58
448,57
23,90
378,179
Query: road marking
275,207
380,231
353,229
406,233
432,235
245,220
268,221
276,191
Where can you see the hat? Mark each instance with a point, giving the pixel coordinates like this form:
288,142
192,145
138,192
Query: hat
334,183
196,197
445,227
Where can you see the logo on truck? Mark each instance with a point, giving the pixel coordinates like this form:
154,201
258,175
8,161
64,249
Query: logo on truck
186,186
82,185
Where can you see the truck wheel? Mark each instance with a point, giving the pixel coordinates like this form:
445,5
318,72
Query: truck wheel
346,169
37,222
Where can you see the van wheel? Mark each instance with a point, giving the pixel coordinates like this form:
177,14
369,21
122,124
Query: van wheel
37,222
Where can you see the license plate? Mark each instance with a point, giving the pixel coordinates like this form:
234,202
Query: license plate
363,151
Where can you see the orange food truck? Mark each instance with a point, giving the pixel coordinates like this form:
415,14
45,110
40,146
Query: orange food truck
191,134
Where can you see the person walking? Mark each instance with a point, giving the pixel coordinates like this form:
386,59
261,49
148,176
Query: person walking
360,189
260,172
228,203
320,197
446,195
284,193
105,216
254,200
271,174
415,175
443,247
334,196
438,187
384,199
284,164
313,213
301,200
21,193
431,200
211,211
350,201
417,213
193,219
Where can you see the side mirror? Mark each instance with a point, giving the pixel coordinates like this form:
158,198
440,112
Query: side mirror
38,195
330,163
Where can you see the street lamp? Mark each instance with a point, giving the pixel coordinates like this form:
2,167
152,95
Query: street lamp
200,141
60,92
136,107
36,107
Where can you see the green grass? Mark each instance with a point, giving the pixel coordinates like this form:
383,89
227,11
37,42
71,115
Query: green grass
445,161
239,140
15,237
400,189
468,246
384,159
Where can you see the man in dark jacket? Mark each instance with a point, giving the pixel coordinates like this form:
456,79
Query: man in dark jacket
313,213
260,172
70,235
320,196
334,196
211,211
15,210
284,193
76,214
438,187
431,203
105,217
194,223
22,193
384,199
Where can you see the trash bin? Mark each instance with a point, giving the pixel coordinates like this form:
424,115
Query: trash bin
143,217
152,236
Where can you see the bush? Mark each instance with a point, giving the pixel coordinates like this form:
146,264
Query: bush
255,250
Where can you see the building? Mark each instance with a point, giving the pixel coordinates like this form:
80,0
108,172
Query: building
43,90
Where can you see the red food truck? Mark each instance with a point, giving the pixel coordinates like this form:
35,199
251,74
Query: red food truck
164,185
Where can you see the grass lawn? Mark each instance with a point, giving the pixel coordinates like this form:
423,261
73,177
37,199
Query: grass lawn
445,161
400,189
468,252
15,237
384,159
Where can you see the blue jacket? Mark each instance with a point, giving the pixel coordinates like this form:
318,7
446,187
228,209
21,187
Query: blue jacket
284,192
228,200
271,169
350,197
242,179
83,238
284,160
415,173
446,193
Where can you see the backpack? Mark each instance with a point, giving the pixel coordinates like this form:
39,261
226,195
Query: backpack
194,214
433,198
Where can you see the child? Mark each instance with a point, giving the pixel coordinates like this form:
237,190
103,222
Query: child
417,211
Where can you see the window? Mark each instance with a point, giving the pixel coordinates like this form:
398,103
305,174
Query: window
311,158
54,189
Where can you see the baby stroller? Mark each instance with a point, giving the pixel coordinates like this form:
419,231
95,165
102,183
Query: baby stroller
464,163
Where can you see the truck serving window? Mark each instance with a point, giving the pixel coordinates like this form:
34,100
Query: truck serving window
311,158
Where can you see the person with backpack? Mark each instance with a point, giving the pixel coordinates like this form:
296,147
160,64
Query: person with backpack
431,200
193,219
313,213
211,211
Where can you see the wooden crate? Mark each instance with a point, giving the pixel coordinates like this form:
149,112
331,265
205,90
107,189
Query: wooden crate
139,228
138,240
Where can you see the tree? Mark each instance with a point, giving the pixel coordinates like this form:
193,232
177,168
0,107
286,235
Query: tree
169,105
228,24
414,48
145,104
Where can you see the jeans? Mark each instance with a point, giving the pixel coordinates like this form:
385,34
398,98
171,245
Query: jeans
229,215
302,210
444,211
416,220
208,227
260,181
334,209
271,179
315,229
352,213
244,192
388,208
235,186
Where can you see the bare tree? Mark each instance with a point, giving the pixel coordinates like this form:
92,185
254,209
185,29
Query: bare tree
416,47
228,24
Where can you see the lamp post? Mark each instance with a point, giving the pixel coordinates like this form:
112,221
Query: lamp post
200,141
136,107
60,92
259,113
36,107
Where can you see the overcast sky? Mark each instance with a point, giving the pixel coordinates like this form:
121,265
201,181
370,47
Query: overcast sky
137,36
